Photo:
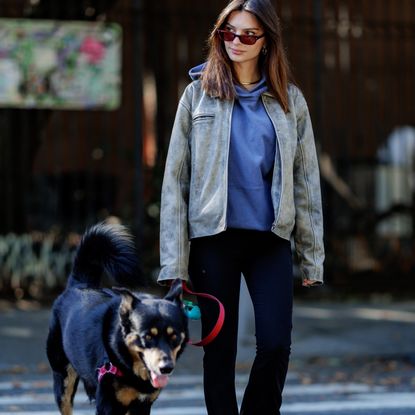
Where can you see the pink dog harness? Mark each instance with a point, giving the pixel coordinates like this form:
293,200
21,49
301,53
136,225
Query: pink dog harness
108,368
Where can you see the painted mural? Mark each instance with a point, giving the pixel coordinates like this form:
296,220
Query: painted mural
60,64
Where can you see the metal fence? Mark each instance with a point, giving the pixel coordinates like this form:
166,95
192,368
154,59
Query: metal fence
354,61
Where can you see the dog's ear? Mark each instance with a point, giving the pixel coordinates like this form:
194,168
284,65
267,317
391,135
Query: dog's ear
128,300
175,293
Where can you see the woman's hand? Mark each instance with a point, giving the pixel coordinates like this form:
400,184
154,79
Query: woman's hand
309,283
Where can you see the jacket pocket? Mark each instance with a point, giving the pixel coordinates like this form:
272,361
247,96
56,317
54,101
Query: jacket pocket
202,117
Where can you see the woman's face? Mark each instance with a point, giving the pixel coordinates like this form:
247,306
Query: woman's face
244,23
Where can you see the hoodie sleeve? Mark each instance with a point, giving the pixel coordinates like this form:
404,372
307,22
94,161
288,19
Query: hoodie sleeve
308,234
174,240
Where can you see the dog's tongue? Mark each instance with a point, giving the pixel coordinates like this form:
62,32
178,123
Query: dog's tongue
159,381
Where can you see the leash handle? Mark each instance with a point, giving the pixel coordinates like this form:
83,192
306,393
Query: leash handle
219,323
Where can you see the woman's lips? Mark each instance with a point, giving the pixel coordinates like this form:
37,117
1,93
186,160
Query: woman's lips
236,51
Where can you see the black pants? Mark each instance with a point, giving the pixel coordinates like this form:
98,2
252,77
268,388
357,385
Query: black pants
216,264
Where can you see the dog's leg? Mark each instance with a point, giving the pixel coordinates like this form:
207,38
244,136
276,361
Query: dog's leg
65,379
90,390
65,385
140,408
70,384
106,401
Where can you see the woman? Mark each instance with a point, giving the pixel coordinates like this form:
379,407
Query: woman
241,178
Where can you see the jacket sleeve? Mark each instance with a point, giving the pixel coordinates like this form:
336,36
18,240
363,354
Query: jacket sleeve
308,233
174,241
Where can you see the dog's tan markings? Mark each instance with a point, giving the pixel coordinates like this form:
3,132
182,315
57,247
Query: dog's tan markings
178,348
131,339
175,351
170,332
151,397
152,357
143,397
139,368
154,331
69,390
125,395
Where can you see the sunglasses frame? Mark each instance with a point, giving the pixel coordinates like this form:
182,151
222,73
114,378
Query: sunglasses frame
223,32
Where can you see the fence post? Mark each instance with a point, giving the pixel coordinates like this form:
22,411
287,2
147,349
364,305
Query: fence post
319,67
137,82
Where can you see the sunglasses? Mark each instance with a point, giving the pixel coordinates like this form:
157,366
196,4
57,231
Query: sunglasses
228,36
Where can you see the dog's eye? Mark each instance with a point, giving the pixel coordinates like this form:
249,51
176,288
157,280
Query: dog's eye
171,333
148,337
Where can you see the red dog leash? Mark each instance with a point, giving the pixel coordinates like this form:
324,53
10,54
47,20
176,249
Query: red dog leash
219,323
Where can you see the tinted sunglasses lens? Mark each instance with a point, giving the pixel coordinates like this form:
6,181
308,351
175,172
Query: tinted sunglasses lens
247,39
227,36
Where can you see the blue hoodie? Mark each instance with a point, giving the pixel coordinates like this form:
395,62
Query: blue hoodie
251,160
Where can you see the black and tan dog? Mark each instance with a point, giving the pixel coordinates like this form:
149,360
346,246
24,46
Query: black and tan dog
122,345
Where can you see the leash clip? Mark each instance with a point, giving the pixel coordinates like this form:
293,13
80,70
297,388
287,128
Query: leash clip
192,310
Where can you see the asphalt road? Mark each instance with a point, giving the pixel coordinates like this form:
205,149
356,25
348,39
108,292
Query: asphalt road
347,359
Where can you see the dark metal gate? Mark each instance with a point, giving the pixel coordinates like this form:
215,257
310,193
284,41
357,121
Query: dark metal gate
354,60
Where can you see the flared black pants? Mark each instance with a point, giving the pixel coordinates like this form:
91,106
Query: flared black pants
216,264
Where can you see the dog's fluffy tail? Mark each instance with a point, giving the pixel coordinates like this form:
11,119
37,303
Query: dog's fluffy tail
108,248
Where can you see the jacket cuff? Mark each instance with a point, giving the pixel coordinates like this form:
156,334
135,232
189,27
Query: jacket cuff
168,274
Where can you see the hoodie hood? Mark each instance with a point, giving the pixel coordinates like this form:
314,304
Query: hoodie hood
196,72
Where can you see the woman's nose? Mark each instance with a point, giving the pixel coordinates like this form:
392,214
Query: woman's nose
236,40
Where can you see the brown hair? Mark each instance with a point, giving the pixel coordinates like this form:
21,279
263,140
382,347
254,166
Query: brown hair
217,77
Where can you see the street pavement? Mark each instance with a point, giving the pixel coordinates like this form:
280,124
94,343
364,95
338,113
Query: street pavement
347,359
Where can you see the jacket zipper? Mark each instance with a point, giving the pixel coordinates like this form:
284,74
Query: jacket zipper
227,164
281,164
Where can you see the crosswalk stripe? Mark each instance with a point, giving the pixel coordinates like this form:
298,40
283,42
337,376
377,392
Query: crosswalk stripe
400,401
388,401
380,399
76,412
195,387
185,390
195,391
165,411
25,399
34,384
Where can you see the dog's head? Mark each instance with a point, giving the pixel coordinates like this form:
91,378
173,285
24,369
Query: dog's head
154,331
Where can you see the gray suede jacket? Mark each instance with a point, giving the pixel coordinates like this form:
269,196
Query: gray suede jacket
195,184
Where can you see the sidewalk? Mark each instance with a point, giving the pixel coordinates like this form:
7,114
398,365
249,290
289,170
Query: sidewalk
321,330
340,329
357,329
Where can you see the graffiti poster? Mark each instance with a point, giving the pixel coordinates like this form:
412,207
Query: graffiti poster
60,64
